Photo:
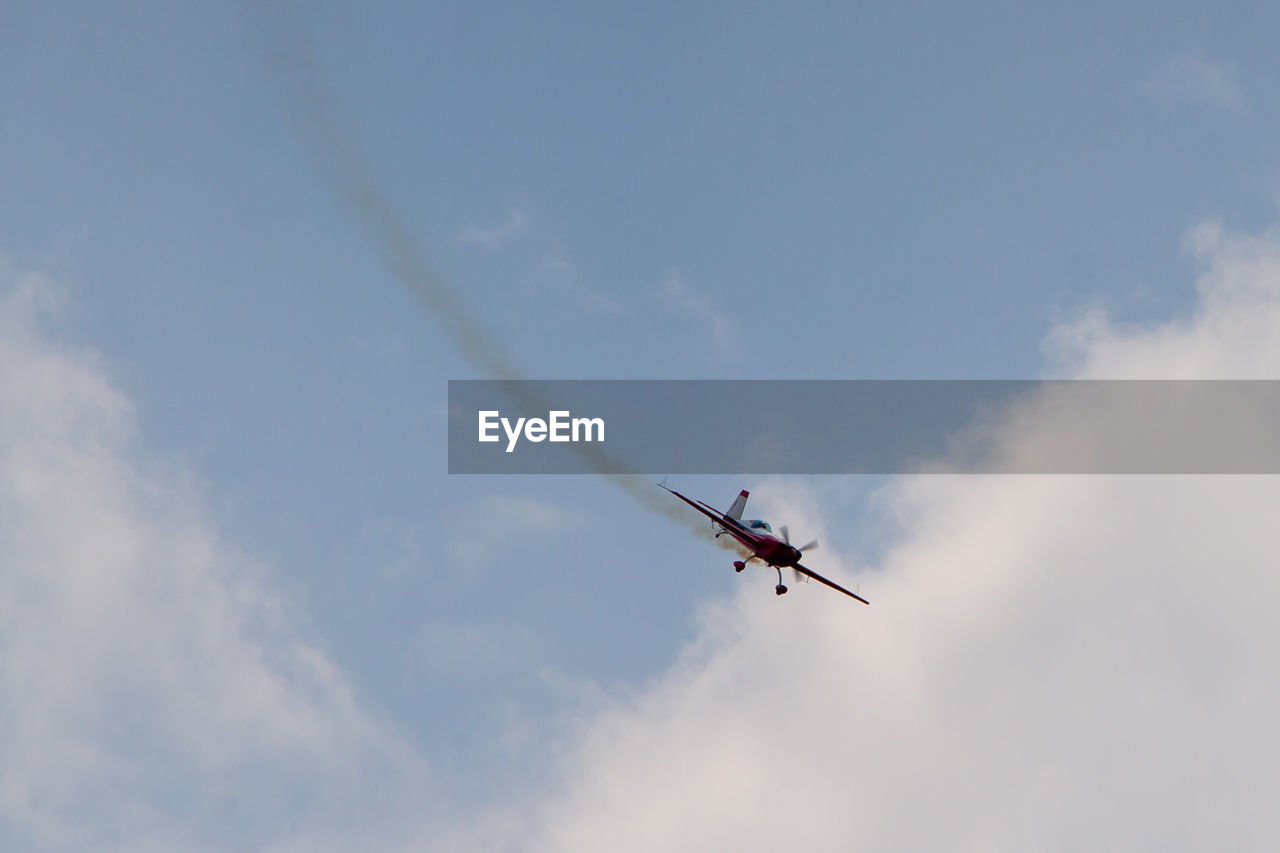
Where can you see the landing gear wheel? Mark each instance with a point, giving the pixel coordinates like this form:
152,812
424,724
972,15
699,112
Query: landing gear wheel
780,589
738,565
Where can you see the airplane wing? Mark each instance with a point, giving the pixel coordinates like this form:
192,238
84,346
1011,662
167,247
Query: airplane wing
706,509
726,522
820,579
708,506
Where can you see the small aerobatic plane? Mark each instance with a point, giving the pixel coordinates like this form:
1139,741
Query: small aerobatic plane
757,537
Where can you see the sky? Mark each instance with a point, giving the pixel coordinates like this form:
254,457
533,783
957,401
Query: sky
244,246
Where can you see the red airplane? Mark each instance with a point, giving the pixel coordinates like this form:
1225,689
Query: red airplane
757,537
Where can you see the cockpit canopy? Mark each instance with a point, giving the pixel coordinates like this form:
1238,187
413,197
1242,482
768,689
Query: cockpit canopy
759,524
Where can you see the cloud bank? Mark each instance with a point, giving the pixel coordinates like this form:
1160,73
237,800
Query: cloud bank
1050,663
156,693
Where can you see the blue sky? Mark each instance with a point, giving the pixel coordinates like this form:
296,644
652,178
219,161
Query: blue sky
661,190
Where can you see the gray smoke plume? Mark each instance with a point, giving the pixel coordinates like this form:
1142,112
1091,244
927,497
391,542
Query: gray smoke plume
316,117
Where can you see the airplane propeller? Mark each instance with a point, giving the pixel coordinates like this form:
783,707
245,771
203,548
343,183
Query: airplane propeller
786,537
797,577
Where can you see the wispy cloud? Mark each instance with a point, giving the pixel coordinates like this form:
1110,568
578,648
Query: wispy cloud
1196,79
724,333
497,236
567,275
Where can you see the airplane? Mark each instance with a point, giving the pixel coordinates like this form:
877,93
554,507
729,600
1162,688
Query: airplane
757,537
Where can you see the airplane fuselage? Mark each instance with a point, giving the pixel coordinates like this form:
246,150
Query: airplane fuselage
764,546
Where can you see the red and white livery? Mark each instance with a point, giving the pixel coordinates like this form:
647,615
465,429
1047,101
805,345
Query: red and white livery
757,537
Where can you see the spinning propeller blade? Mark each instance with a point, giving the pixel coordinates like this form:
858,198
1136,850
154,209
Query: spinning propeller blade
786,537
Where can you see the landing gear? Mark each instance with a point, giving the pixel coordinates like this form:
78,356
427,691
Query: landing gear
780,589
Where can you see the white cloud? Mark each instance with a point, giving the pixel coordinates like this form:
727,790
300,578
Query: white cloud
1048,663
1232,336
155,693
497,236
1196,79
724,334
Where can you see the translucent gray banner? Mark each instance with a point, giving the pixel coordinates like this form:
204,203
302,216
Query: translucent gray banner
864,427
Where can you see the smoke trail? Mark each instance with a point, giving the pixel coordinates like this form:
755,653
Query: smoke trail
316,117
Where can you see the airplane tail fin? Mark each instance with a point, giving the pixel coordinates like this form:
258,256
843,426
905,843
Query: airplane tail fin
739,504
